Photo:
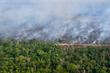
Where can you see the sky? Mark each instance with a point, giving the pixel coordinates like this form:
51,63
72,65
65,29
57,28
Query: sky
56,18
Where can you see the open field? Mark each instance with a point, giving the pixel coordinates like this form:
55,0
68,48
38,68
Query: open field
46,57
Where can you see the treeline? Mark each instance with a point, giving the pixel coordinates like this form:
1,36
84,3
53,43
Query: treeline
45,57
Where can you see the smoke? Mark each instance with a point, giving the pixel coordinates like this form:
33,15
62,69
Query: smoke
84,21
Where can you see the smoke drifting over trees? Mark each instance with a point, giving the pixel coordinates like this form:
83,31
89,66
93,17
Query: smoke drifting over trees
85,21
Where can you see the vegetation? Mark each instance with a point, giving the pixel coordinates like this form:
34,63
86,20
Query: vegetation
45,57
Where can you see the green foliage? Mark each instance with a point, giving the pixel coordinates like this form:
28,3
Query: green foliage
45,57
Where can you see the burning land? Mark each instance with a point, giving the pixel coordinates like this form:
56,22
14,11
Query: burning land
54,36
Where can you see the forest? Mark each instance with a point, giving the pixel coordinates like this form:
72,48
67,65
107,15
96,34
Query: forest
34,56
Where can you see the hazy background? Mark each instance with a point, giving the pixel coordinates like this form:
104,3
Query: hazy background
85,21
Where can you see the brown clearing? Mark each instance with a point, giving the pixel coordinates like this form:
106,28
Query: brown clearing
66,45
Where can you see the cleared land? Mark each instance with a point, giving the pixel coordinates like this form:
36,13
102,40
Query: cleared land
66,45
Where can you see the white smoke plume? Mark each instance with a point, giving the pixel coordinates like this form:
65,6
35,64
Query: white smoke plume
84,21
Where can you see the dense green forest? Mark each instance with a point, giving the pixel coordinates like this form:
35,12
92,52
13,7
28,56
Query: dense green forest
45,57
